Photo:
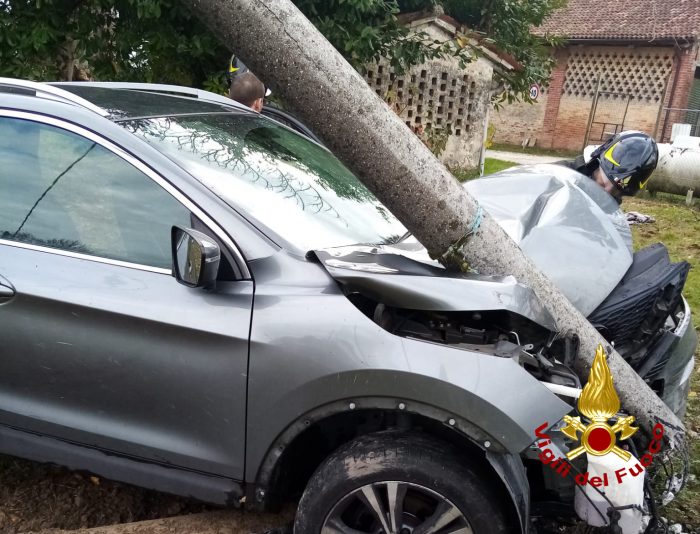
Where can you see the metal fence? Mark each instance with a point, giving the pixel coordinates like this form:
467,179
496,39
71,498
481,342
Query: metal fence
686,121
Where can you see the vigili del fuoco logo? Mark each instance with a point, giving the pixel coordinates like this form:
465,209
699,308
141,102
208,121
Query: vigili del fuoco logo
598,403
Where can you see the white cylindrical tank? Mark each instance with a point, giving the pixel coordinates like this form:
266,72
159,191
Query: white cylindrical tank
630,490
678,170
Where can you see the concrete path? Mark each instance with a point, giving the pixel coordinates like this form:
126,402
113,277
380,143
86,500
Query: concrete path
521,159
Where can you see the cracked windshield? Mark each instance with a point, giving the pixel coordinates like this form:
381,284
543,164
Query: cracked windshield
292,186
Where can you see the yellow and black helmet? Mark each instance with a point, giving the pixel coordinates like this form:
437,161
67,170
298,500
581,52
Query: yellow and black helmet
235,68
627,159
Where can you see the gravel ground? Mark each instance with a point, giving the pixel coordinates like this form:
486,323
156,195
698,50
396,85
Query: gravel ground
522,159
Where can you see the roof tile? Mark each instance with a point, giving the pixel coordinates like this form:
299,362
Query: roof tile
634,20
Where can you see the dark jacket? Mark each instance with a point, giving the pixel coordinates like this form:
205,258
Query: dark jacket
579,165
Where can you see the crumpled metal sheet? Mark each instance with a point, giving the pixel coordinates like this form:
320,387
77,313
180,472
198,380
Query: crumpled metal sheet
573,231
399,277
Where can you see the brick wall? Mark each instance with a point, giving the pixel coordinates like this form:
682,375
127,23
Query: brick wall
574,113
560,120
515,122
678,94
569,129
555,90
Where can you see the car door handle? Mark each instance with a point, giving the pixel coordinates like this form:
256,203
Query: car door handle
6,290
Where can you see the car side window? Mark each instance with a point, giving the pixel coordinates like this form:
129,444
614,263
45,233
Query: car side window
64,191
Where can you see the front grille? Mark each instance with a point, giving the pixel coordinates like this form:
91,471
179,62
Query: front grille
633,315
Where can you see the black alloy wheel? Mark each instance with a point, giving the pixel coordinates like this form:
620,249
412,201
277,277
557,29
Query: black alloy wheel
400,483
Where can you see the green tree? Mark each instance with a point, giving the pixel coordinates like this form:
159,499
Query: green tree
121,40
161,41
365,30
509,24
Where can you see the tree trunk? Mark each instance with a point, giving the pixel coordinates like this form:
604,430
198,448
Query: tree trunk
67,58
280,45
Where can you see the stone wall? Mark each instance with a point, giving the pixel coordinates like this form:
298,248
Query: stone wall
444,104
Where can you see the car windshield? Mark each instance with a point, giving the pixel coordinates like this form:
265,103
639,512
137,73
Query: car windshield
293,186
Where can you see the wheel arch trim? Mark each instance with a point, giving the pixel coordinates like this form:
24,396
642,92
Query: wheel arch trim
507,467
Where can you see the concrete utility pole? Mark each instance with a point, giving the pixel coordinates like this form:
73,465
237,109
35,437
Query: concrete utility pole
281,46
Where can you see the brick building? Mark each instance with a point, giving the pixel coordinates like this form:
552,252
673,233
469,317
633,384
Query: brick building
625,65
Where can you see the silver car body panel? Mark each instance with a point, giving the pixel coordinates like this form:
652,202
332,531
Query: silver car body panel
565,223
249,362
345,356
284,375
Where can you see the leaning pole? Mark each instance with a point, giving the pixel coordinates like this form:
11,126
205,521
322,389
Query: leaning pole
282,46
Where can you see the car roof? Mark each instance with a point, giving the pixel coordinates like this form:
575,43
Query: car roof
122,101
128,101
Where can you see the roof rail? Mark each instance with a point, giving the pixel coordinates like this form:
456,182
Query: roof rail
175,90
50,92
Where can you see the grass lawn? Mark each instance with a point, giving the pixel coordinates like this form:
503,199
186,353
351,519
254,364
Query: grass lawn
491,165
678,227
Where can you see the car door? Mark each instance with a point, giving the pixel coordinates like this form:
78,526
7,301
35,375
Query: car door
99,344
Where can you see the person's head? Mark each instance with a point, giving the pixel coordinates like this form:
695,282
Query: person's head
624,163
248,90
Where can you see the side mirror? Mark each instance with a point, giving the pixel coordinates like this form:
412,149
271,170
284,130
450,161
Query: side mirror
196,257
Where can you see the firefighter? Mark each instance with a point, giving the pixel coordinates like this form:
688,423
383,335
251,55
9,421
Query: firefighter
622,165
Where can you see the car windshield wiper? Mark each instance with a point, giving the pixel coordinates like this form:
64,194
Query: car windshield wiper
404,237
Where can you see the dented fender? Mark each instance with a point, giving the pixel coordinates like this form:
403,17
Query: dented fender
346,360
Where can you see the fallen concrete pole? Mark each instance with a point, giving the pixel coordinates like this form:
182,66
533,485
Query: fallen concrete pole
279,44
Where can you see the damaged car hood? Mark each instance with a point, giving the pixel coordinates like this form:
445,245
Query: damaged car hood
403,276
573,231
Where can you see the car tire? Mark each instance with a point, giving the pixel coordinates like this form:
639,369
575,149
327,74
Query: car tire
409,476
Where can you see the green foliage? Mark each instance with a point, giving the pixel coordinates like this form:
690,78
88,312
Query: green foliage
161,41
508,23
365,30
490,133
436,139
123,40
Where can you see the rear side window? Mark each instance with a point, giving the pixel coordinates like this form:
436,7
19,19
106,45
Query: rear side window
63,191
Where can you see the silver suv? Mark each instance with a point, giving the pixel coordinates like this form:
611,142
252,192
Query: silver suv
306,352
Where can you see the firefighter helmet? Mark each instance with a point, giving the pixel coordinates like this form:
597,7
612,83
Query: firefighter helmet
627,159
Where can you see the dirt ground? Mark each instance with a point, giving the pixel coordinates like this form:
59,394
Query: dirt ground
42,498
221,522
